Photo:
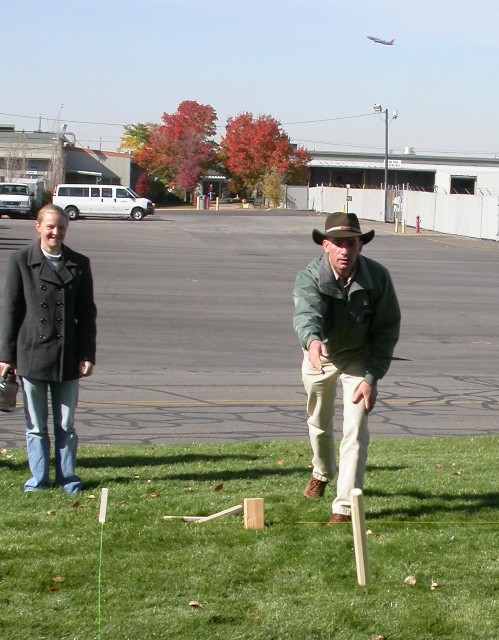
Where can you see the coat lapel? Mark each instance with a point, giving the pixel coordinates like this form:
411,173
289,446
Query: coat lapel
62,274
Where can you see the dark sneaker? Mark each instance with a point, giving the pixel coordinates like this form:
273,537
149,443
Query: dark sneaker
315,488
338,518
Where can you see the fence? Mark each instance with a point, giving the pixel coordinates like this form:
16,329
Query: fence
463,215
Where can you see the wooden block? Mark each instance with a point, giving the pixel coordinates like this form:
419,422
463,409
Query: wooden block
253,513
359,537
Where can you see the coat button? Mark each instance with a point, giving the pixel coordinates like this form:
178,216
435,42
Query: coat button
60,320
44,305
43,287
60,304
59,337
43,320
43,337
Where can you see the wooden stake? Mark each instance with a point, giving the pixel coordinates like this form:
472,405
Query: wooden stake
184,518
221,514
359,537
103,505
253,513
214,516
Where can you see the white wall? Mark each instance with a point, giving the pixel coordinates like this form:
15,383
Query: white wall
329,199
295,197
463,215
487,183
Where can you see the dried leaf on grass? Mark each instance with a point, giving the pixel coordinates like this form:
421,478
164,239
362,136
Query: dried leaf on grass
195,604
433,585
52,512
55,583
281,461
381,536
218,487
410,580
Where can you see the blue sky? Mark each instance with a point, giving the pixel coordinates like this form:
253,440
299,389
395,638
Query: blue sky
98,64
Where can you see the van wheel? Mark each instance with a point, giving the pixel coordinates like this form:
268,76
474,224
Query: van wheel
137,214
73,213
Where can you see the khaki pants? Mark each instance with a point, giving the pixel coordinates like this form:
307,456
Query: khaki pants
321,392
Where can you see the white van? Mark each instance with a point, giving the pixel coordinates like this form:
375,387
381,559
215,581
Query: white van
15,199
101,201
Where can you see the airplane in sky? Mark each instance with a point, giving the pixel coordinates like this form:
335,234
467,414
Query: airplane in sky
379,41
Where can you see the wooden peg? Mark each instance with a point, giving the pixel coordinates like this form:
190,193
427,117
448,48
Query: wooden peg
359,537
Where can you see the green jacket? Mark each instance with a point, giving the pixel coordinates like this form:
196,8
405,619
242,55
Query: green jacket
360,327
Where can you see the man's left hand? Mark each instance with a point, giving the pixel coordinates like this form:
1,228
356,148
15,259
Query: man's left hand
366,392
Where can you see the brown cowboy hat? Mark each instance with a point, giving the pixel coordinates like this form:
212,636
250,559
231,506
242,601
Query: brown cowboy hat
342,225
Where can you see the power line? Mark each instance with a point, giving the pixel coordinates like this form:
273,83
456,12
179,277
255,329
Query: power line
337,144
107,124
362,115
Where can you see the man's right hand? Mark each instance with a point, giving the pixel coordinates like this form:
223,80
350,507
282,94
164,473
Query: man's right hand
316,349
5,367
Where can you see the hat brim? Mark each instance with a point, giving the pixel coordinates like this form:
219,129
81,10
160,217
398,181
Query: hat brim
319,237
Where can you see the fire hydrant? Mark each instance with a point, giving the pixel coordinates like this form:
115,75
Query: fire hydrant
418,220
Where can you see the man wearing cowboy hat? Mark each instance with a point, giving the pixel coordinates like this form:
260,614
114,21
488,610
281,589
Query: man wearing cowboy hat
347,319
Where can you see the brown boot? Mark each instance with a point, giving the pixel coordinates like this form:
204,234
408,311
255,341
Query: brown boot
315,488
338,518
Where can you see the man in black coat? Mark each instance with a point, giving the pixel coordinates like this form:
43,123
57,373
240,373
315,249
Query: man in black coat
49,338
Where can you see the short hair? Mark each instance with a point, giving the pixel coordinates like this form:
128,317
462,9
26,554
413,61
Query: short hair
51,208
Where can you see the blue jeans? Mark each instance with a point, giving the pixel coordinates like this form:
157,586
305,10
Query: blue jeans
64,398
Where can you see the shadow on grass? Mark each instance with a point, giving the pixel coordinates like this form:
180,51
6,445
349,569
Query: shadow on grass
211,476
14,466
221,474
433,503
151,461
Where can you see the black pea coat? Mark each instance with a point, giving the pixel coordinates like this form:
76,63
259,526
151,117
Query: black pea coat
49,318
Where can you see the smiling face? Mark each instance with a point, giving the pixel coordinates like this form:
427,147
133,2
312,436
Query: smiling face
342,254
52,227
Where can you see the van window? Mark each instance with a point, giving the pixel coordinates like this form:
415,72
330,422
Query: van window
107,193
74,192
95,192
122,193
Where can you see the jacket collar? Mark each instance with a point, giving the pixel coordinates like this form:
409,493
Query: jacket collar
328,282
63,273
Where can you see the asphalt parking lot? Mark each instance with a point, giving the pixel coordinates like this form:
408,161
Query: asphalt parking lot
195,341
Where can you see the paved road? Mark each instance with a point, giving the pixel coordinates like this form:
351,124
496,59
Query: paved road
195,340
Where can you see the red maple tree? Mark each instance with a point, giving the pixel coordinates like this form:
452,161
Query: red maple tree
253,145
142,185
180,149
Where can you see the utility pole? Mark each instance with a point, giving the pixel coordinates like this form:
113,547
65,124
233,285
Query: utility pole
378,109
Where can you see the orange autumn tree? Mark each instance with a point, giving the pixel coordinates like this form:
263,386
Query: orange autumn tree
251,146
179,150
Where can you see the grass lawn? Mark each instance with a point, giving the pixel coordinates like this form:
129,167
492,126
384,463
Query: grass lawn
431,509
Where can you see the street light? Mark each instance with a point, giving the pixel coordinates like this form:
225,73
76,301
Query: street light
377,108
